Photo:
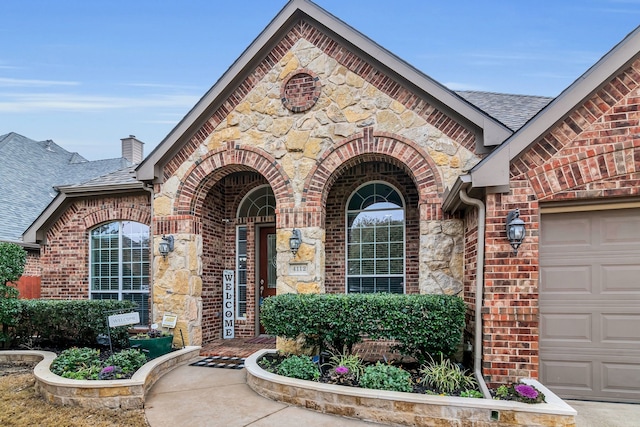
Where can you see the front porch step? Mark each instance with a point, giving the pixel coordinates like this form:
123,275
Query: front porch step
225,362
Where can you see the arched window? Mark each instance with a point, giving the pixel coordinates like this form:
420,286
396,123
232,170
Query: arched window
119,264
375,239
259,202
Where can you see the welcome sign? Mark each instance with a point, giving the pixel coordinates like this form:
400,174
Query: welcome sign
228,307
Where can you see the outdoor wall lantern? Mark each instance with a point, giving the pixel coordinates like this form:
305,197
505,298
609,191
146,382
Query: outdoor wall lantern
166,245
515,229
294,241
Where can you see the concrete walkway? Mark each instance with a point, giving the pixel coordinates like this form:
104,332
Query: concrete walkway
210,397
207,397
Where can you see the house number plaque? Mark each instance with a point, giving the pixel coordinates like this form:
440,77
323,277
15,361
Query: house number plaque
298,269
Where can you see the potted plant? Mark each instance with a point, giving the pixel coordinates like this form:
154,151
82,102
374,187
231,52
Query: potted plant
155,342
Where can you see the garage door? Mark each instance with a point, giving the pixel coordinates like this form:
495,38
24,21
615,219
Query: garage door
590,304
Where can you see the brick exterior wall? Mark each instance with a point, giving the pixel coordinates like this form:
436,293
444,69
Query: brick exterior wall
591,155
64,258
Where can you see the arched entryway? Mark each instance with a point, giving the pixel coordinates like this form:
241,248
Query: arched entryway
238,235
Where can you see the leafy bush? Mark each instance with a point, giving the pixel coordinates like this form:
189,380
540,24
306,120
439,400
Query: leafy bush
66,323
421,324
386,377
12,261
85,364
128,361
520,392
77,363
447,377
300,367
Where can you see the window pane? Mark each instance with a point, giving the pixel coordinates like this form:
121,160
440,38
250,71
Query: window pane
120,262
375,239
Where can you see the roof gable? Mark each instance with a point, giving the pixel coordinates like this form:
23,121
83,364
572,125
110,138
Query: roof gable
294,22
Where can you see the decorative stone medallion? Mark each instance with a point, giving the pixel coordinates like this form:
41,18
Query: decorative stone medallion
300,90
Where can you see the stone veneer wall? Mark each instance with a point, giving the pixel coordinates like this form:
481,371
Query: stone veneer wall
592,155
361,116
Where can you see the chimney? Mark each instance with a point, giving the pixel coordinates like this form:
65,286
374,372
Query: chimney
132,149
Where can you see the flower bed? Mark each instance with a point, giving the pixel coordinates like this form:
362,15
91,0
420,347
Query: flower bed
124,393
410,409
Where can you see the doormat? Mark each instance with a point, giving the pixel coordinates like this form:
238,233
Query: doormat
220,362
262,339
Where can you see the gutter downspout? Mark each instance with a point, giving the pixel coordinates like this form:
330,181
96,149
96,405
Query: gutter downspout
149,188
477,346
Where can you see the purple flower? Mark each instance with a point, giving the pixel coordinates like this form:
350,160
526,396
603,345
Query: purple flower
108,370
342,370
526,391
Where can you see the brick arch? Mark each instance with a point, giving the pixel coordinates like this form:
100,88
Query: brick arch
119,213
203,175
577,171
374,146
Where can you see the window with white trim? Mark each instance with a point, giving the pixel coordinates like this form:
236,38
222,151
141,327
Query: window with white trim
375,224
119,264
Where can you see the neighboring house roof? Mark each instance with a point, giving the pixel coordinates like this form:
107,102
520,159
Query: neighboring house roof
511,110
31,171
490,131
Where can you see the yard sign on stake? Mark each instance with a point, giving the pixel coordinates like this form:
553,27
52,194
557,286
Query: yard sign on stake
228,307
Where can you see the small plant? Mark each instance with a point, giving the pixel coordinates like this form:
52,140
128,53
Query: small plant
386,377
446,377
75,362
110,373
520,392
472,393
300,367
352,362
128,360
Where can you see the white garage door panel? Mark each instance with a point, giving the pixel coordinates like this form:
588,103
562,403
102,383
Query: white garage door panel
590,304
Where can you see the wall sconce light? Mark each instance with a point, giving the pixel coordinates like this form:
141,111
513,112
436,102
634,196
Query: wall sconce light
166,245
294,241
515,229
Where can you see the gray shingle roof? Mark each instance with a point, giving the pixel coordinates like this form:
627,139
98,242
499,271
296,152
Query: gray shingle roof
30,171
511,110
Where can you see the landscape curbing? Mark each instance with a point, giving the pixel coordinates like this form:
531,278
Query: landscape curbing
410,409
125,394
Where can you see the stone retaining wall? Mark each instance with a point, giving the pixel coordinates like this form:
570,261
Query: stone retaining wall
125,394
407,409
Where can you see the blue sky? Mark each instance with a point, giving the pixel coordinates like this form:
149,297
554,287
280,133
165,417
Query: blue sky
86,73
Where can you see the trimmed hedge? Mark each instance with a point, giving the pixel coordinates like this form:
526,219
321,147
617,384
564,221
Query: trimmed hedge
66,323
422,325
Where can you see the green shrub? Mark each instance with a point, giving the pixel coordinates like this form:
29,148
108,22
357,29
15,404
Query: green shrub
66,323
446,377
128,361
300,367
12,261
421,324
386,377
77,363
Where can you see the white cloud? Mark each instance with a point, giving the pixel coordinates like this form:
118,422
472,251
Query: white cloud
9,82
21,103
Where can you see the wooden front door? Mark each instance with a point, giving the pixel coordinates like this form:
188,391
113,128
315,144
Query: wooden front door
267,267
